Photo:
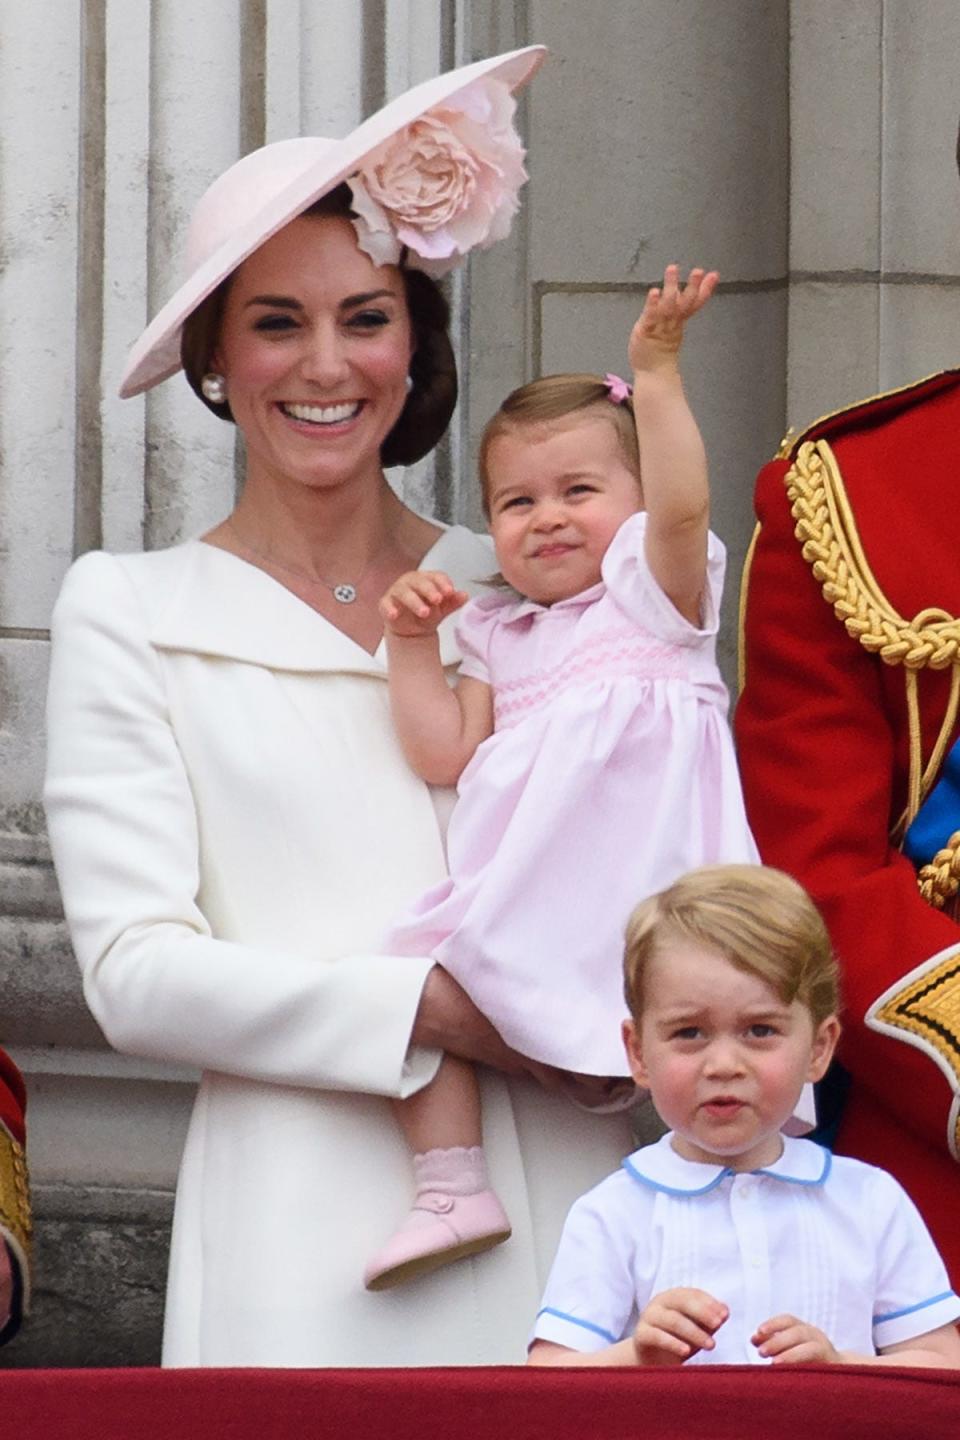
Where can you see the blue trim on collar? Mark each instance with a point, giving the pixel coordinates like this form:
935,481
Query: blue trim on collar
799,1179
675,1168
670,1189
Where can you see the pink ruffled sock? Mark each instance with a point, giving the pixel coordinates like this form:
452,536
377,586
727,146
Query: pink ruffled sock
460,1170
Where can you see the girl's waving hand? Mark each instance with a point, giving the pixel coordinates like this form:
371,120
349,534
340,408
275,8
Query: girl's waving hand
656,338
673,464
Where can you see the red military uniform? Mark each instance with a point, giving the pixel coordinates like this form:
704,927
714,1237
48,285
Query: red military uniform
14,1191
859,536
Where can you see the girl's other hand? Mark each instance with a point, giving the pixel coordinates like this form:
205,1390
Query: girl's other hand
656,338
415,604
788,1341
676,1324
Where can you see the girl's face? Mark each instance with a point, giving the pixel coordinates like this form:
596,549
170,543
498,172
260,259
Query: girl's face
724,1057
557,495
315,348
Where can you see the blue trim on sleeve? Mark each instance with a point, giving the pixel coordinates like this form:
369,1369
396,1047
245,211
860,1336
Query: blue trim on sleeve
584,1324
909,1309
670,1189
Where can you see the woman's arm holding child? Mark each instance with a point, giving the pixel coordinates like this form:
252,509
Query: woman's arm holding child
673,463
438,727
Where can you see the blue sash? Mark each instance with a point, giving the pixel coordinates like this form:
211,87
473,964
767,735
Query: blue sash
939,816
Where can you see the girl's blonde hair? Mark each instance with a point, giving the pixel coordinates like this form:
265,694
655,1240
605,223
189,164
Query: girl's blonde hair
553,397
758,918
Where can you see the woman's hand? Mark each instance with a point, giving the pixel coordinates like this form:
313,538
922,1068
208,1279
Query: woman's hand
448,1020
788,1341
656,338
416,603
676,1324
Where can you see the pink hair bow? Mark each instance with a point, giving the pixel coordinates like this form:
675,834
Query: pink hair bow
620,390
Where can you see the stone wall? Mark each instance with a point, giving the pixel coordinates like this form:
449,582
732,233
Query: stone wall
805,149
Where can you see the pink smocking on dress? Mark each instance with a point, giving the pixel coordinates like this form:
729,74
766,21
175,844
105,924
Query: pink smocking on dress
610,772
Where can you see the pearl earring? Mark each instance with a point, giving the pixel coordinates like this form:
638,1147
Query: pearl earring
409,383
214,388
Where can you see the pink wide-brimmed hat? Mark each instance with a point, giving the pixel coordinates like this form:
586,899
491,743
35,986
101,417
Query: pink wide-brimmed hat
433,174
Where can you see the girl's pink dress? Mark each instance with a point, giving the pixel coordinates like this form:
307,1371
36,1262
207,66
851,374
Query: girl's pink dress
610,772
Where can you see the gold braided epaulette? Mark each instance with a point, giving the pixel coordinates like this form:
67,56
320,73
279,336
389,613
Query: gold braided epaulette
830,544
15,1218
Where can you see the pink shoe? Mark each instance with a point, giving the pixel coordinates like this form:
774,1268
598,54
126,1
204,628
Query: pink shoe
439,1229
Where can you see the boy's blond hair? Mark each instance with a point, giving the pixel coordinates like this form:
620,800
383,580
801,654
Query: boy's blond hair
758,918
555,397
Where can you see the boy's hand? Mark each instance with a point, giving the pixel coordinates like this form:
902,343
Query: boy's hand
655,339
788,1341
416,603
676,1324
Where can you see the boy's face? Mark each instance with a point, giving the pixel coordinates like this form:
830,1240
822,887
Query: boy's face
724,1058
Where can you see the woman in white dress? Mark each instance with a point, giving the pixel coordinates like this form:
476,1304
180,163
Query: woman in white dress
232,820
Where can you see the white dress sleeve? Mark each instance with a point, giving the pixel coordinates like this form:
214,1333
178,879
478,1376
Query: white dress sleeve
590,1300
124,833
630,582
913,1294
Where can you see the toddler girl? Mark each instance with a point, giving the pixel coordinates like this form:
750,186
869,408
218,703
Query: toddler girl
725,1241
587,731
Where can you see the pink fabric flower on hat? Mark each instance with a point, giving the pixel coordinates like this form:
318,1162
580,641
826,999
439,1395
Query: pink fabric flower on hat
444,184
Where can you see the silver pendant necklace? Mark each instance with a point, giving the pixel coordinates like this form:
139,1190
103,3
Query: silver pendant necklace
344,593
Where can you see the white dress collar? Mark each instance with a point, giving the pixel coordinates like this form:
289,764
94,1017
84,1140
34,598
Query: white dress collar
517,607
659,1167
221,605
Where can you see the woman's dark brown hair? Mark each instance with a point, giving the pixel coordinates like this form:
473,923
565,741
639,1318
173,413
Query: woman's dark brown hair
433,368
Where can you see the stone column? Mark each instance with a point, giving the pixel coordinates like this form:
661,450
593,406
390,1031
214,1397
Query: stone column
874,199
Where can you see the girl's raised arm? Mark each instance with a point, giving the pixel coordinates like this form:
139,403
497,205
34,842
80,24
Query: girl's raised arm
673,463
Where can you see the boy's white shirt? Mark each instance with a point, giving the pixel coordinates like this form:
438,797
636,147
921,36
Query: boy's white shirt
833,1241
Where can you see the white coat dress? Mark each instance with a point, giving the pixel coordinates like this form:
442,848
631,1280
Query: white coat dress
234,828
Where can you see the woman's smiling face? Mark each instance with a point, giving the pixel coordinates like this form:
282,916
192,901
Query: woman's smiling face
315,346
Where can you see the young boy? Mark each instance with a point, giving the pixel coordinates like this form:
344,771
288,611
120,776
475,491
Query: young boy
727,1242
